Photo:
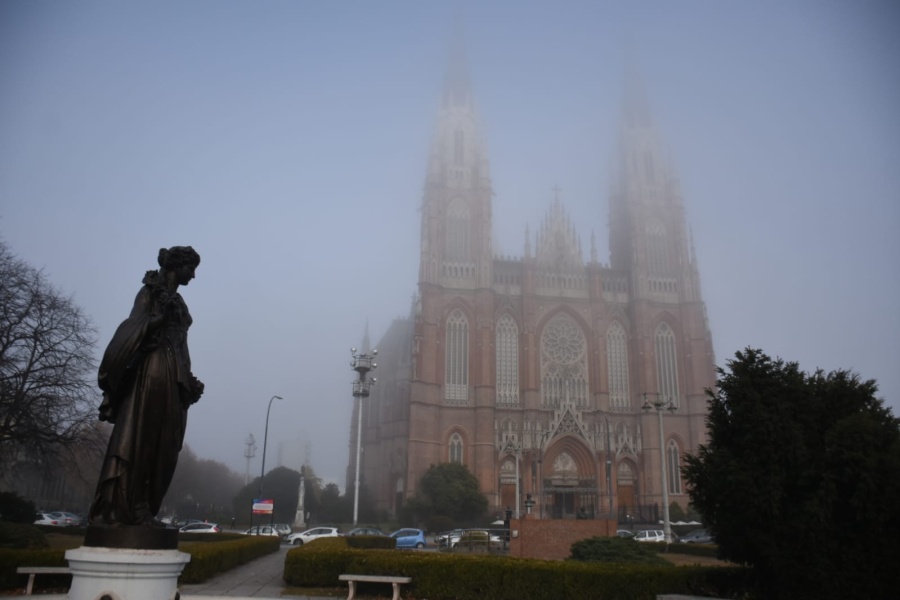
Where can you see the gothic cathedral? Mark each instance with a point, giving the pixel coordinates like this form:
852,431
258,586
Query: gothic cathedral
536,372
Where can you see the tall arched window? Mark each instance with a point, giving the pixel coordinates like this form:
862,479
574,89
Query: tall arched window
563,363
457,242
456,383
507,345
456,448
666,363
617,365
673,467
458,147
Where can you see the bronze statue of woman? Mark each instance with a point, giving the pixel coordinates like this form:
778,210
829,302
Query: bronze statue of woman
147,388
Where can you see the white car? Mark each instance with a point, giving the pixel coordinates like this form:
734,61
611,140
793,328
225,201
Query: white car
262,530
66,518
650,535
304,537
200,528
47,519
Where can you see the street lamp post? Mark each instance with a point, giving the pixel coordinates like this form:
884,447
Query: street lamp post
262,474
516,450
362,364
661,405
609,461
544,435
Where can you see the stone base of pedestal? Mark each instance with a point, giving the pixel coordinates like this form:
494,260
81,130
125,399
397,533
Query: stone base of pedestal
125,574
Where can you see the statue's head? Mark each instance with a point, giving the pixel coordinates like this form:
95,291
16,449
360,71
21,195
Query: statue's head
177,256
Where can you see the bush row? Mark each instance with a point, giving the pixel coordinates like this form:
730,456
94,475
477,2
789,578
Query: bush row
459,577
208,558
710,550
10,560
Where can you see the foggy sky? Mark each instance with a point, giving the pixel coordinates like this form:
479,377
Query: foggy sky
287,142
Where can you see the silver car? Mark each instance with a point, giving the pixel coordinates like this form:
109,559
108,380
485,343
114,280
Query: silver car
650,535
304,537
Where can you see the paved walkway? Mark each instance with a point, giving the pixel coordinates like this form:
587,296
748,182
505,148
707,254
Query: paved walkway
260,578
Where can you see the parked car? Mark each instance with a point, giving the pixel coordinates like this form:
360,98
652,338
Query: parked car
447,539
624,533
283,529
409,538
650,535
365,531
46,519
697,536
201,528
66,518
262,530
305,537
473,538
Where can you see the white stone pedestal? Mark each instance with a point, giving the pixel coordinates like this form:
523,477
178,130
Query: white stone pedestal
125,574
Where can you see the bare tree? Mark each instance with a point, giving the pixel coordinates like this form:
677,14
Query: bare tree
48,393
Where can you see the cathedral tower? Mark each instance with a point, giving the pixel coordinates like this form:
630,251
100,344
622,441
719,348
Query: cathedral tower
532,371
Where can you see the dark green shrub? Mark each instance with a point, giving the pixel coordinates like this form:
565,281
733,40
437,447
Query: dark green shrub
615,550
15,509
440,576
20,535
364,542
320,562
10,560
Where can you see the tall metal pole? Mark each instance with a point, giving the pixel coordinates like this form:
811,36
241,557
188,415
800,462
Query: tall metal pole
608,462
667,527
262,474
358,452
516,450
362,364
660,406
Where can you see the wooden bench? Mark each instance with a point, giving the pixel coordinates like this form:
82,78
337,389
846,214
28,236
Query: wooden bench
394,580
32,571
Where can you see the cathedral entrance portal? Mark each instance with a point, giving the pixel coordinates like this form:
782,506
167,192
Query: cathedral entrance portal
567,494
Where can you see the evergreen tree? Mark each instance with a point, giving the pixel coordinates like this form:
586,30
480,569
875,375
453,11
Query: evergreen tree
801,479
448,490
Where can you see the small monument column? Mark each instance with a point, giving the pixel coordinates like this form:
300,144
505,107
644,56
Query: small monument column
300,515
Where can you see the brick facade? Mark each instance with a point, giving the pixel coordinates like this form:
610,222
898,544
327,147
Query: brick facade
551,539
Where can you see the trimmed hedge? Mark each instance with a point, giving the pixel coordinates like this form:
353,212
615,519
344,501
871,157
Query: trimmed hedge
10,560
209,558
364,542
20,535
710,550
439,576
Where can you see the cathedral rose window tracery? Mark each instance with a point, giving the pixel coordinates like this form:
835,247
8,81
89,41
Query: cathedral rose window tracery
563,362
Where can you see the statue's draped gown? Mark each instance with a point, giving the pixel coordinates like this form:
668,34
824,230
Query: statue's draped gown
146,379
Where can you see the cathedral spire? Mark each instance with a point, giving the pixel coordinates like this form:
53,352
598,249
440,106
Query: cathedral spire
558,245
648,229
458,81
456,208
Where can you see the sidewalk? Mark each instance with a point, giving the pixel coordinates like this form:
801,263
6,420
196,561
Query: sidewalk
260,578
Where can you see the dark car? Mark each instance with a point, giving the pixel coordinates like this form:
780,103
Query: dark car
698,536
365,531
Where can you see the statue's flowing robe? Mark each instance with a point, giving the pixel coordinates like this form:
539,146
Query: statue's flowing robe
146,380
